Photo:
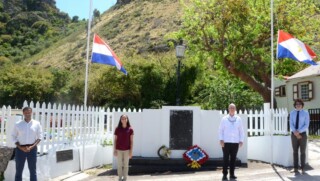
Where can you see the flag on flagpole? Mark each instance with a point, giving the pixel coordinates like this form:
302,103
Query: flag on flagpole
290,47
103,54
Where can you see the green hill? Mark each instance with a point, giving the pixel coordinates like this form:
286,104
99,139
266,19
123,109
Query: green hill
135,30
136,27
43,58
27,27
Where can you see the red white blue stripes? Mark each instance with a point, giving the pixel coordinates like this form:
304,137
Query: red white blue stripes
103,54
290,47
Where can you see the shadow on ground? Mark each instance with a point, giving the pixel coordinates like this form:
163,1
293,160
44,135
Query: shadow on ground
299,177
114,173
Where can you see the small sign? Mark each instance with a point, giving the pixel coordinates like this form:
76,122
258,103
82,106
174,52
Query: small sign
64,155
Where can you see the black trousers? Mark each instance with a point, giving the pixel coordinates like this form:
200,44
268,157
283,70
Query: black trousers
230,151
296,144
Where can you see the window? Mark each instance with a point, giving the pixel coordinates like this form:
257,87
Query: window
303,90
280,91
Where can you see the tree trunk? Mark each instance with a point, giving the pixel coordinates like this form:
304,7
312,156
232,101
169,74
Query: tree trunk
263,90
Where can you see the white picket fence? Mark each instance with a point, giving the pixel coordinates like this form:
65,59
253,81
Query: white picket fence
75,126
65,125
259,121
5,115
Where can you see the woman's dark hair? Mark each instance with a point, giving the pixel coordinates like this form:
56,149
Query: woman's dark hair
128,122
298,101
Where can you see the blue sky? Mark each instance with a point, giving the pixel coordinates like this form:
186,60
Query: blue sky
81,7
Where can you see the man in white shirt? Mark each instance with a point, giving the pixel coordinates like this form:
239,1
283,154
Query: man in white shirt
26,134
231,136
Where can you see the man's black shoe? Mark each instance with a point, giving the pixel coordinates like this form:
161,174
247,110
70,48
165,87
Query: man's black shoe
233,177
295,170
224,177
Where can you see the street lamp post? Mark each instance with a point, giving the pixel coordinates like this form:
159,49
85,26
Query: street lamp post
180,49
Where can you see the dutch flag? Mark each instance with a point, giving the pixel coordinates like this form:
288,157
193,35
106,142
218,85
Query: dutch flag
290,47
103,54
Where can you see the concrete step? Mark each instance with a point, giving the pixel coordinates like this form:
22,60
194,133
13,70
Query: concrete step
141,165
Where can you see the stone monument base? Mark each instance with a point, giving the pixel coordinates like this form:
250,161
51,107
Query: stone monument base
5,156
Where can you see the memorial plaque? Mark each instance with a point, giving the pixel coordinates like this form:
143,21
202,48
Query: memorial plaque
181,129
64,155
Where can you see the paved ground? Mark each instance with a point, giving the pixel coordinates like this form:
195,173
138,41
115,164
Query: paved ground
254,171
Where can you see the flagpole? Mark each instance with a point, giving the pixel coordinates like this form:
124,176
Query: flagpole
87,62
278,34
272,85
86,84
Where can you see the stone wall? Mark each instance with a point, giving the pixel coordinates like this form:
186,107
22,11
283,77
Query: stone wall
5,156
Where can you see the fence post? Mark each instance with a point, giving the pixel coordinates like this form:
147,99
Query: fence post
101,124
250,124
2,125
284,117
262,123
267,115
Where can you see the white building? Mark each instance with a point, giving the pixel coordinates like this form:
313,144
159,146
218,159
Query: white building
304,85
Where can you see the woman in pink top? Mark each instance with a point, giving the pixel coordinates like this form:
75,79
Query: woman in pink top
123,144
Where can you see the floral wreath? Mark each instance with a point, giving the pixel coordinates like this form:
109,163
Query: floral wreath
195,156
164,152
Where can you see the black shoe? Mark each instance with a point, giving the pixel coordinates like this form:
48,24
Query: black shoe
233,177
224,177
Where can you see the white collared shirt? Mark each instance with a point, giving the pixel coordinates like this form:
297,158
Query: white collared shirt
231,129
26,132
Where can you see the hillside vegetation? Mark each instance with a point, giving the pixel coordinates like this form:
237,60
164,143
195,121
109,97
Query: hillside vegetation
136,31
138,27
43,52
27,27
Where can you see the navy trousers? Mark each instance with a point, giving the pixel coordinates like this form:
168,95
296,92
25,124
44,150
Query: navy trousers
21,158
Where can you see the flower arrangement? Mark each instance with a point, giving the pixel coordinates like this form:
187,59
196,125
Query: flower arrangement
195,157
70,136
106,142
164,152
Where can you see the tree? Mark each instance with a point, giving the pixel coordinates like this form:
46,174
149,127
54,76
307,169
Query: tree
18,83
236,34
41,26
121,2
75,19
96,14
59,84
217,91
142,87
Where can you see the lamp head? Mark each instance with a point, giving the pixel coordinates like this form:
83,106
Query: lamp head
180,49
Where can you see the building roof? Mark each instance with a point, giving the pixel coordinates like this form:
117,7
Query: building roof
312,70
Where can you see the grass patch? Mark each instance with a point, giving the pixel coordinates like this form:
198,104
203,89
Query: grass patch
92,172
107,166
314,137
98,170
